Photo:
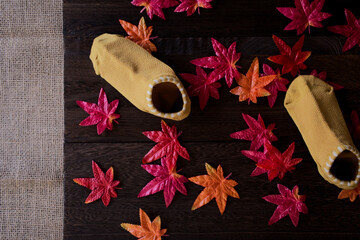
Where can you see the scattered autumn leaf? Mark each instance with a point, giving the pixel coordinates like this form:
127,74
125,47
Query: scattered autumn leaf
322,76
155,7
166,179
272,161
304,15
257,133
293,58
351,31
354,127
102,185
279,83
224,63
190,6
147,230
167,145
289,203
202,85
352,193
216,186
102,114
252,86
140,34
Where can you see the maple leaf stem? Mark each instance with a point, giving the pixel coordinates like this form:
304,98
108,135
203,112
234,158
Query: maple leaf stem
152,38
228,176
144,8
198,10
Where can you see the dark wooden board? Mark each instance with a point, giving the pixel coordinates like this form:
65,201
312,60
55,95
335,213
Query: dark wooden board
205,133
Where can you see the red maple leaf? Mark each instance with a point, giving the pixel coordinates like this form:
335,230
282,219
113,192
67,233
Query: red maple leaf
167,145
304,15
289,203
224,62
166,179
278,84
322,76
351,31
202,85
354,127
272,161
292,59
102,185
154,7
102,114
257,133
190,6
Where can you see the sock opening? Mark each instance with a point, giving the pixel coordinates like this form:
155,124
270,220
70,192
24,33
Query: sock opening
345,166
167,98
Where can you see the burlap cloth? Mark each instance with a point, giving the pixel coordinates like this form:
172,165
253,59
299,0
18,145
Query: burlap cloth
31,119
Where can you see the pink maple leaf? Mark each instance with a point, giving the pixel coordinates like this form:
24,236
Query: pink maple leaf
351,31
155,7
322,76
102,114
190,6
224,62
166,179
202,85
257,133
278,84
304,15
289,203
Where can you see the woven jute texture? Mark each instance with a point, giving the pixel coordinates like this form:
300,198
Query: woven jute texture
31,119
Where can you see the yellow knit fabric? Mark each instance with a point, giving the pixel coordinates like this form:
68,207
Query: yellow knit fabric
145,81
313,106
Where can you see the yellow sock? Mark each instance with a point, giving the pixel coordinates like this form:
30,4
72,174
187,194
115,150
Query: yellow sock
313,106
145,81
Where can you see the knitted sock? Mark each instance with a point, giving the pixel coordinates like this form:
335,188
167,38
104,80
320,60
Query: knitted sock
313,106
145,81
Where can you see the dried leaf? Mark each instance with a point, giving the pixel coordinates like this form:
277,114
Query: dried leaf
190,6
139,34
102,185
351,31
352,194
272,161
292,59
167,145
155,7
304,15
216,186
202,85
279,83
289,203
322,76
354,127
252,86
166,179
102,114
224,62
147,230
257,133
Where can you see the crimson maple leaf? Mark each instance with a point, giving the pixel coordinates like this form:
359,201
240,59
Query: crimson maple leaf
102,185
167,145
224,62
257,133
102,114
304,15
322,76
190,6
202,85
278,84
154,7
292,59
289,203
351,31
166,179
272,161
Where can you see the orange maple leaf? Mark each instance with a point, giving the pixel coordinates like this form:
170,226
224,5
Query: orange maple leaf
148,230
216,186
140,34
252,86
352,194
